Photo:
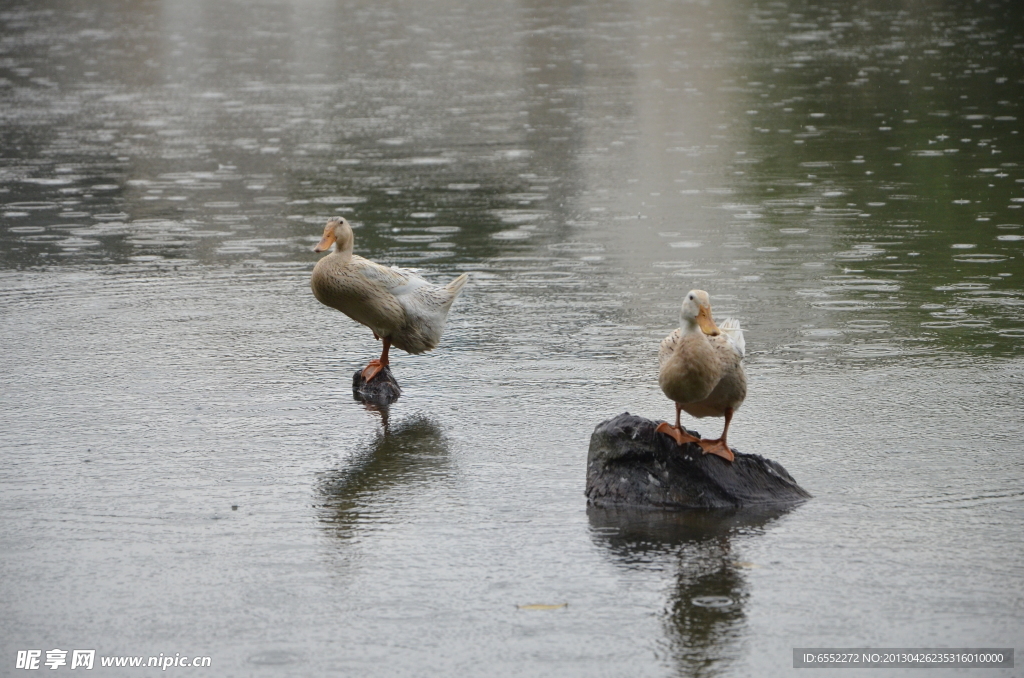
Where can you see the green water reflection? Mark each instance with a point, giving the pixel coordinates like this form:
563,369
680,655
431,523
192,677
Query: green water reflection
896,132
859,165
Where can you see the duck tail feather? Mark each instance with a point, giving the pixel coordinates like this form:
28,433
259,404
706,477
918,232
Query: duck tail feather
731,327
455,286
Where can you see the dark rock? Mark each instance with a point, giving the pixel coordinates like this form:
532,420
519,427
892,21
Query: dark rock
382,390
629,464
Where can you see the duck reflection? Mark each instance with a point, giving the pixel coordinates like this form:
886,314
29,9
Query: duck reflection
400,455
703,617
380,411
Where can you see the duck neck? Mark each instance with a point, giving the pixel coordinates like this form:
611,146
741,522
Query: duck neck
343,247
344,240
689,325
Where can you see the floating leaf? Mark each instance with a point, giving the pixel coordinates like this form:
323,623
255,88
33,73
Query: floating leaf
541,606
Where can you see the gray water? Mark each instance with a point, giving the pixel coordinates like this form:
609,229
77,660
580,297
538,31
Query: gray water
183,467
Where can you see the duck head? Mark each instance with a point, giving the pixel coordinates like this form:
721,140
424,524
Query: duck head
339,231
697,313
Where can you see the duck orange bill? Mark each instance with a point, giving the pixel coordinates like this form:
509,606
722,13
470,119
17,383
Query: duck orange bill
707,325
325,242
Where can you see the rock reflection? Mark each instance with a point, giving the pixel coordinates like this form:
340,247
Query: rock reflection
703,617
408,453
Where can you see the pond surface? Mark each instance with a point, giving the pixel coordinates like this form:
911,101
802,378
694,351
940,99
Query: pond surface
184,469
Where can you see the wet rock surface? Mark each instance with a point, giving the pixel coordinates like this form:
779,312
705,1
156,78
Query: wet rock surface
382,390
630,464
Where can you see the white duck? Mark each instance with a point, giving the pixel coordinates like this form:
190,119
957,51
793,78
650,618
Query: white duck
702,371
401,308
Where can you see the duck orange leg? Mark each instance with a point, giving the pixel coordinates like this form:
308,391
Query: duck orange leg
719,447
677,432
377,364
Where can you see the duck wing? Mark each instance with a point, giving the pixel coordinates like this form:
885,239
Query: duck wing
668,345
392,280
731,331
422,305
409,288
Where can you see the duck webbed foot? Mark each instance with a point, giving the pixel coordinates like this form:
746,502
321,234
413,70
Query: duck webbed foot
678,434
717,447
372,369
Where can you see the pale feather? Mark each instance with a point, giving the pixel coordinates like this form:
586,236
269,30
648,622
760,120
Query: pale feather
689,366
731,388
731,328
704,383
393,302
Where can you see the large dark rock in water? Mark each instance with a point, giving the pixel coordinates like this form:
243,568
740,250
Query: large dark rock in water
382,390
629,464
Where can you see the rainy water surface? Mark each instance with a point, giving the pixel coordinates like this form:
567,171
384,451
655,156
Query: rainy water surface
184,469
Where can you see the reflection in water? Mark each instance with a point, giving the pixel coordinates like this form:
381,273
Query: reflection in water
900,181
413,451
818,162
703,617
382,411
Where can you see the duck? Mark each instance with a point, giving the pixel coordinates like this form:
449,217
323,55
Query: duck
701,370
400,307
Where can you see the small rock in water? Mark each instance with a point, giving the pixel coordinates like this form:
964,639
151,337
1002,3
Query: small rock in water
382,390
630,464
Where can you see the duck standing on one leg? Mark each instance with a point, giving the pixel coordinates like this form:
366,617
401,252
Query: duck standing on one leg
702,371
401,308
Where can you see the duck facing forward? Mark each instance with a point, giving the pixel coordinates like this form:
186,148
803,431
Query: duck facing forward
400,308
702,371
